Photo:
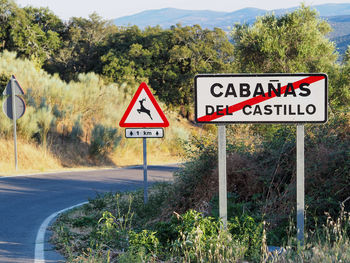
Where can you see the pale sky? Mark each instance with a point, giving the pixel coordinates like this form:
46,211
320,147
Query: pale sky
110,9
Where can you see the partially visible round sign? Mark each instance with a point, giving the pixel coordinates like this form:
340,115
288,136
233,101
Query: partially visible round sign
20,107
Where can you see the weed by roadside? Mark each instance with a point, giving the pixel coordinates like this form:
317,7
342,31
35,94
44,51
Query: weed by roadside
118,228
105,230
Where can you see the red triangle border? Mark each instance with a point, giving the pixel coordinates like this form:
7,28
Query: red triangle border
165,122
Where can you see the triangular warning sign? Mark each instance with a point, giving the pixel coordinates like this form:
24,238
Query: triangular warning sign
143,111
17,89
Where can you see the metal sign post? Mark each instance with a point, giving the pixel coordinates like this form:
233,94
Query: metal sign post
145,183
14,108
222,174
13,97
300,184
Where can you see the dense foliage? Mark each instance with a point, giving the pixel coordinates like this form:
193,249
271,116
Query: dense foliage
169,58
291,43
119,228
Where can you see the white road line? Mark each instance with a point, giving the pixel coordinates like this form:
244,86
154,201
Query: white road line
39,256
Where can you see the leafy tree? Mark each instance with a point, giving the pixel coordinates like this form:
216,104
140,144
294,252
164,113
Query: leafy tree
347,56
82,41
193,50
7,10
168,58
31,32
339,78
117,64
45,19
295,42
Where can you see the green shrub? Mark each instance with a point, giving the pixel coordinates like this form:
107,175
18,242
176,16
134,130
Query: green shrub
30,100
145,240
6,126
203,239
138,256
261,173
108,231
249,232
4,79
77,130
45,119
27,125
329,242
103,140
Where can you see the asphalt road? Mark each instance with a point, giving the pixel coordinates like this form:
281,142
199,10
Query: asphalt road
26,201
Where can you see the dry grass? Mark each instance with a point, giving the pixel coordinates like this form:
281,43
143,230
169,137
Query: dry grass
159,151
58,106
31,158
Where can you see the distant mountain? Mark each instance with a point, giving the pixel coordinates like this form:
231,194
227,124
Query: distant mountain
333,9
167,17
340,25
338,15
342,43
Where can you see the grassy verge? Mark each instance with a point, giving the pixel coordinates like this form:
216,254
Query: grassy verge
31,158
119,228
180,223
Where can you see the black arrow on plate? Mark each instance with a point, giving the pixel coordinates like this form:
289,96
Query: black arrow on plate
131,134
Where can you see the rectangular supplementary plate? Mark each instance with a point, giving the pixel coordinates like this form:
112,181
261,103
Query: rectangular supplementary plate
144,132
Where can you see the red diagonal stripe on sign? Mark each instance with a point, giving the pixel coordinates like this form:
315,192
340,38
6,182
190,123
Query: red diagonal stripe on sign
258,99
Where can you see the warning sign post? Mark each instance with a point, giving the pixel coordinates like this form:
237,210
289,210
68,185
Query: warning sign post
261,98
146,119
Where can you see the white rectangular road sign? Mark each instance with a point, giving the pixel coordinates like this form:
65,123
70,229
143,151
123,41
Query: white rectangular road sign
144,133
261,98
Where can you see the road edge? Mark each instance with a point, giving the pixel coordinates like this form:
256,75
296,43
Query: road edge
136,166
39,255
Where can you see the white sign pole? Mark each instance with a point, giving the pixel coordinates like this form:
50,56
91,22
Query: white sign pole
222,173
145,186
14,115
300,184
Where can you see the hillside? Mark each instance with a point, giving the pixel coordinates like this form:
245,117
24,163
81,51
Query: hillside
167,17
340,25
338,16
342,43
66,125
341,31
